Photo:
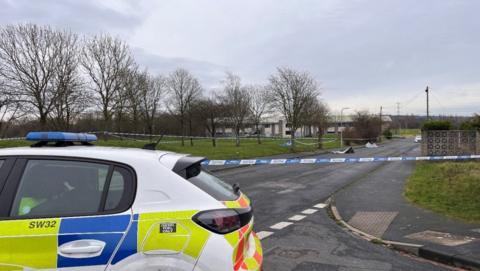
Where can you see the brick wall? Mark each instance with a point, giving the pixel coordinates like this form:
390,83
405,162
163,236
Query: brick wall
450,142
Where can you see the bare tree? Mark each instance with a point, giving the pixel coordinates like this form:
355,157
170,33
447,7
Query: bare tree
134,82
120,113
29,59
150,98
259,106
72,98
70,104
184,89
237,100
10,110
104,59
290,92
210,111
316,117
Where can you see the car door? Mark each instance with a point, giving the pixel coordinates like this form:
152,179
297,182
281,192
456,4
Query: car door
64,213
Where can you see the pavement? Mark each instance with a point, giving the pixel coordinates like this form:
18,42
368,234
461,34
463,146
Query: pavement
293,220
375,205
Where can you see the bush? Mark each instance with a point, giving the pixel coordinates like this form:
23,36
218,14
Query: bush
387,134
472,124
348,134
366,127
436,125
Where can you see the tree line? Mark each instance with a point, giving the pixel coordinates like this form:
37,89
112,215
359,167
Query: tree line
54,79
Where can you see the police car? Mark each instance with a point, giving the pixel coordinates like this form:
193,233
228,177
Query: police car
66,204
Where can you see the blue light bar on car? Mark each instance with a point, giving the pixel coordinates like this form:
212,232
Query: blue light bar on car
61,136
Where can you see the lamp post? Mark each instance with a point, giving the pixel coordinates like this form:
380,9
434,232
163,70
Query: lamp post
341,123
428,104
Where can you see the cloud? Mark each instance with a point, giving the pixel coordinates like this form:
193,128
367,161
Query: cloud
457,99
366,53
355,48
86,16
209,74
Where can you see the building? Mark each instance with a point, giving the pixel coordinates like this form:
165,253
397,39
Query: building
270,126
338,123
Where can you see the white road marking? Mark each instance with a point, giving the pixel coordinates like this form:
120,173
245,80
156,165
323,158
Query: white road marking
281,225
309,211
297,217
286,191
264,234
320,205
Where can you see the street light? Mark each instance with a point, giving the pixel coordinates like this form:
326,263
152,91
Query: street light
341,114
341,123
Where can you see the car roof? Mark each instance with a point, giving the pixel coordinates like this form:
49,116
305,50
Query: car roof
115,154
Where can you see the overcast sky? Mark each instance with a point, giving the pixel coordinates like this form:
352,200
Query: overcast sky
364,53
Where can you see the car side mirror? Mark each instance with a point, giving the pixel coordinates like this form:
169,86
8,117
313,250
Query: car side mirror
236,188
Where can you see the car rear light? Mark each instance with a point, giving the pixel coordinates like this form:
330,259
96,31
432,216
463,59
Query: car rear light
223,221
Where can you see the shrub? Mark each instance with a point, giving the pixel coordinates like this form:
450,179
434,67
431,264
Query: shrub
387,134
472,124
367,127
436,125
348,135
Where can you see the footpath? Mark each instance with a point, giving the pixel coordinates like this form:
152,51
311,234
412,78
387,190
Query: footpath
374,207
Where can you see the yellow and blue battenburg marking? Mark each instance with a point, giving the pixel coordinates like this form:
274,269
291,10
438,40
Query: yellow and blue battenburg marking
33,243
145,235
109,229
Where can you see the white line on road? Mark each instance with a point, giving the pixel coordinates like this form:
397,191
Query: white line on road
285,191
281,225
297,217
320,205
309,211
264,234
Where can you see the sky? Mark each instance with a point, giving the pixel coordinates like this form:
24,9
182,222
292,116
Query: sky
365,54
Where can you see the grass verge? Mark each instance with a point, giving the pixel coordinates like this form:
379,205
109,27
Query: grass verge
410,132
225,149
449,188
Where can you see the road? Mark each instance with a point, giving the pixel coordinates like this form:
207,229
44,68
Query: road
282,194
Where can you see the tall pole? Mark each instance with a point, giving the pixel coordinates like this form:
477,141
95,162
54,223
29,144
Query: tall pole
398,119
428,105
381,112
341,123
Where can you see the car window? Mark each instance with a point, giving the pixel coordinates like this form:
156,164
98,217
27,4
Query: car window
212,185
116,190
59,188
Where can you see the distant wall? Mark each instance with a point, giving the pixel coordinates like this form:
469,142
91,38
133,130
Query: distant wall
450,143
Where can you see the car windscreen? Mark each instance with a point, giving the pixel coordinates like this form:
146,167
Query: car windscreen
212,185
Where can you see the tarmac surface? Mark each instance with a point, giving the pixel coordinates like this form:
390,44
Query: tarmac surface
381,193
297,232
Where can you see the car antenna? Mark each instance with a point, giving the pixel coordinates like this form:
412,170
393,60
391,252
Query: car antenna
152,146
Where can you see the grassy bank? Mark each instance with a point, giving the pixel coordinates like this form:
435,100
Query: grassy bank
225,149
449,188
410,132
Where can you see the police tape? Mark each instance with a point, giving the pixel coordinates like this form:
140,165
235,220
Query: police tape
294,161
12,138
251,137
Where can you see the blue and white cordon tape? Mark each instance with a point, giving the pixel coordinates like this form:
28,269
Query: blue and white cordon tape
295,161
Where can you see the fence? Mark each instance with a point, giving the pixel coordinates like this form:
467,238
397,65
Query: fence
450,143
